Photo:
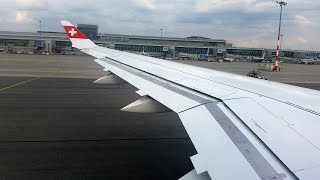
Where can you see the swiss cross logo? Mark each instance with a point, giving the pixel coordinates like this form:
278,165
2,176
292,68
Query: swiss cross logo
72,32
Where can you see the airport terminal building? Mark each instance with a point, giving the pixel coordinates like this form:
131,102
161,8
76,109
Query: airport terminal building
165,47
162,47
269,54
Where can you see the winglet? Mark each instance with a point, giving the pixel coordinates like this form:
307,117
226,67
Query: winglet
78,39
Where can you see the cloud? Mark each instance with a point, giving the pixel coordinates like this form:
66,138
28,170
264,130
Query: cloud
22,16
301,40
301,20
250,43
27,2
232,5
250,23
147,4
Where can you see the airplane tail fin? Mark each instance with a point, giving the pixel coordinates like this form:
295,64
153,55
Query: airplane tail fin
208,51
78,39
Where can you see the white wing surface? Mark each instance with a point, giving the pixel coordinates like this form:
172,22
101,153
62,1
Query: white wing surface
242,128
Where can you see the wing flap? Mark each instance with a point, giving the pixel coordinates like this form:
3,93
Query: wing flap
223,146
210,142
192,175
311,173
282,132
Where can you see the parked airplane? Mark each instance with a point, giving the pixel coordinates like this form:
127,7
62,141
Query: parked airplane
241,127
204,57
228,59
310,60
143,52
259,59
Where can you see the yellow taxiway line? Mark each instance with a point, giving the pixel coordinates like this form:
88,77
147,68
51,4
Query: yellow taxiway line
6,88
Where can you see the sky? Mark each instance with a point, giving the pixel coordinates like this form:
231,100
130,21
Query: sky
245,23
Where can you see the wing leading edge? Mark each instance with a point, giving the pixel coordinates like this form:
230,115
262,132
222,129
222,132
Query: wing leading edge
276,139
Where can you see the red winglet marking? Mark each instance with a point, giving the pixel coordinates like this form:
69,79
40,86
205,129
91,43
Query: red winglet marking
73,32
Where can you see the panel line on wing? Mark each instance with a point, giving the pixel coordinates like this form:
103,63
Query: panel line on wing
248,150
159,81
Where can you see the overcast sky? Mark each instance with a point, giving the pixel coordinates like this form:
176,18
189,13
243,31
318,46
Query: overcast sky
245,23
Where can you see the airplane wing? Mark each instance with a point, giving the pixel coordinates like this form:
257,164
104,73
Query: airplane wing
242,128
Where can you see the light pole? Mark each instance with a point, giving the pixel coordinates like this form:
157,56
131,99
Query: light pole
281,39
161,32
40,23
276,67
280,48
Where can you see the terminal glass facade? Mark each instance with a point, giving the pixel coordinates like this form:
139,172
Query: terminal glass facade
91,31
63,44
15,42
139,48
287,54
173,42
192,50
245,52
283,54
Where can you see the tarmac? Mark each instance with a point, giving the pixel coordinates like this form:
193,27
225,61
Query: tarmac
56,124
